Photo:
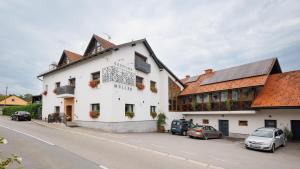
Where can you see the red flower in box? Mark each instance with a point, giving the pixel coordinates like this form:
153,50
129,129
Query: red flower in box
45,93
94,83
140,86
94,114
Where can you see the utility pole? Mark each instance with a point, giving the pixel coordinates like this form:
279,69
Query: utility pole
5,96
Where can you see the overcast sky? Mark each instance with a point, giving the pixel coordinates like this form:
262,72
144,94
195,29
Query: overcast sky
188,36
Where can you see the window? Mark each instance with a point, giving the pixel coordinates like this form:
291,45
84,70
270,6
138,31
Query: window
205,121
56,109
235,94
199,98
129,108
216,97
139,79
72,82
95,75
206,98
224,96
95,107
153,86
57,85
152,109
243,123
271,123
140,57
12,100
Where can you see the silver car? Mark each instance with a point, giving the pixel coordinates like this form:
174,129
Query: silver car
266,139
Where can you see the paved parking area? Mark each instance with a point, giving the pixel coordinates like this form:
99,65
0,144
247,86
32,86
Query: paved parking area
223,153
153,150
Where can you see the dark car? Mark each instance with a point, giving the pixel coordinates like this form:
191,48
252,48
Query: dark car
203,131
180,127
21,115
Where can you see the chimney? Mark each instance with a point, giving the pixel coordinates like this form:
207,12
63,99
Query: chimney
208,71
187,76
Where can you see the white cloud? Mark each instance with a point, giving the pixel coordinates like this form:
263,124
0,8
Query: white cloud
187,36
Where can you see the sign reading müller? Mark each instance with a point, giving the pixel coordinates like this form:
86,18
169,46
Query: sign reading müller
122,76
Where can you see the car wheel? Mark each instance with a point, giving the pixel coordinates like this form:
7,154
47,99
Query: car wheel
172,132
273,148
191,137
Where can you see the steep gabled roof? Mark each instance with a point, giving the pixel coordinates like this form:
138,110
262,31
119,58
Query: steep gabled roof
280,90
71,56
116,47
105,44
259,68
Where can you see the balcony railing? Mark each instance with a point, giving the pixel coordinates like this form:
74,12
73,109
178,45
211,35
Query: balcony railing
142,66
69,90
222,106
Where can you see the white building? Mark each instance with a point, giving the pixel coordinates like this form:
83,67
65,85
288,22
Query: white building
109,83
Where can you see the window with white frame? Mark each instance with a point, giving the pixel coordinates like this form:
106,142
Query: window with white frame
129,108
95,107
152,109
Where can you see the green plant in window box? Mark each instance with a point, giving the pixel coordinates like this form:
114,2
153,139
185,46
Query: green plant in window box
229,104
94,114
161,121
153,114
129,114
208,106
55,91
153,89
140,86
288,133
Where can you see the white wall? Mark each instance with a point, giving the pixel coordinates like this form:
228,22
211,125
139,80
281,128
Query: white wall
283,117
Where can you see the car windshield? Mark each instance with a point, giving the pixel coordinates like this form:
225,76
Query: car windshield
262,133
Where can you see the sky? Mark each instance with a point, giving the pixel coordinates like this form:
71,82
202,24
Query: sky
187,36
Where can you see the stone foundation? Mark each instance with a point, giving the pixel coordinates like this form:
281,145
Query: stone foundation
120,127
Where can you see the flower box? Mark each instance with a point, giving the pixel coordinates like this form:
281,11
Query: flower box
153,89
129,114
55,91
94,114
45,93
140,86
94,83
153,114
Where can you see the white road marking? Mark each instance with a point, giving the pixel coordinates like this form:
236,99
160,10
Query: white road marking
139,148
28,135
103,167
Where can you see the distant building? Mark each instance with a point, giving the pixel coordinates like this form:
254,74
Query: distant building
12,101
37,99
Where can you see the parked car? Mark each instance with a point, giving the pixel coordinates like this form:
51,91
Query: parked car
21,115
180,127
266,139
203,131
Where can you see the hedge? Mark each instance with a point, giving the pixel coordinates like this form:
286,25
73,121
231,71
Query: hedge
31,108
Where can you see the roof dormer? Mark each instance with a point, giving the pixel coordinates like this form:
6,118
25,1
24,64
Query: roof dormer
68,57
97,44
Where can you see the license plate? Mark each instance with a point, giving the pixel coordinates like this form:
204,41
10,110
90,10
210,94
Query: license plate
254,146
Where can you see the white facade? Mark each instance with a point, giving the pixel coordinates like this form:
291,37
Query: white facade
254,118
111,96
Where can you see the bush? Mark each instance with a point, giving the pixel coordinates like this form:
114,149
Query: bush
288,133
161,121
31,108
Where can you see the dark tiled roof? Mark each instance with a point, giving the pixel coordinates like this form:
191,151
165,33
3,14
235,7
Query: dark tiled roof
280,90
258,68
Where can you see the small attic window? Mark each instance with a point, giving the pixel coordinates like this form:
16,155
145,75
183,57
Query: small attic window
12,100
97,48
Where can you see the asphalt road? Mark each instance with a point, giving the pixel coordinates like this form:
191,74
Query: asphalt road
46,148
86,148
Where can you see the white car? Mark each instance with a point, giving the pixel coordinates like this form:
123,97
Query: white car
266,139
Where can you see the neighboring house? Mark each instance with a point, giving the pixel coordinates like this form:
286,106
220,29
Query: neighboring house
109,84
12,101
37,99
240,99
